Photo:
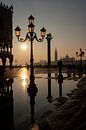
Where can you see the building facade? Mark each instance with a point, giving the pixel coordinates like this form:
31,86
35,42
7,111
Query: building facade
6,34
68,60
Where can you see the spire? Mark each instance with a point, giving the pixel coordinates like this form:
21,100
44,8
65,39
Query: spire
56,56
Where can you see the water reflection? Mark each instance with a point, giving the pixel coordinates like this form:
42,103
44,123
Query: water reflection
24,83
56,75
32,91
23,73
24,76
6,104
49,97
29,106
60,90
24,80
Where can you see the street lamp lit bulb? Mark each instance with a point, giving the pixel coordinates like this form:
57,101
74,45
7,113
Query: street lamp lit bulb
43,32
17,31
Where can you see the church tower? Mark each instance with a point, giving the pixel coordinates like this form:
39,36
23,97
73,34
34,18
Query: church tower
56,56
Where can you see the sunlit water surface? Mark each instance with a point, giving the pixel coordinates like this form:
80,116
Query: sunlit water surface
21,98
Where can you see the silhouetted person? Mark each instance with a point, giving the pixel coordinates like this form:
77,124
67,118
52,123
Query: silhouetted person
60,81
69,70
73,70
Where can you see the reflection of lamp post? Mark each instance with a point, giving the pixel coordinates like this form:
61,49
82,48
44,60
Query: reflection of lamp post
49,97
31,35
60,78
80,54
32,91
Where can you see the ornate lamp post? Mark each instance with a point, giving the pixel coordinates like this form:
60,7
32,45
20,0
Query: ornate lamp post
31,35
80,54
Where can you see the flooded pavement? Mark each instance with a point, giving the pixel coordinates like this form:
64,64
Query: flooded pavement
71,115
24,109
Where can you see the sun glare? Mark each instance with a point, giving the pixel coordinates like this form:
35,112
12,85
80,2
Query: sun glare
24,83
23,76
23,46
24,80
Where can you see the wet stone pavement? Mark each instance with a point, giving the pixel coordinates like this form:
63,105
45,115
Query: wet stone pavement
71,115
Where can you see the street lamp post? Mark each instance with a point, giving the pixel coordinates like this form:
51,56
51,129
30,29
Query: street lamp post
31,35
80,54
49,38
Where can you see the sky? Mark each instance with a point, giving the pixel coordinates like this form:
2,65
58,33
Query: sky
64,19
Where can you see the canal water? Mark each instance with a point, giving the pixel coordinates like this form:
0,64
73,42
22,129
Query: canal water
27,110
